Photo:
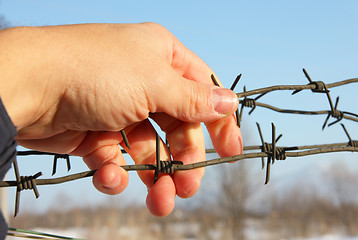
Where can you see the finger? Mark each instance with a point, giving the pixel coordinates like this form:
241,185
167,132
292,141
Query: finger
109,178
143,149
64,142
161,195
100,150
225,133
186,142
226,136
191,150
192,101
185,99
95,140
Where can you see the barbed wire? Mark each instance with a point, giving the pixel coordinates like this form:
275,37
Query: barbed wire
266,151
271,150
314,86
16,232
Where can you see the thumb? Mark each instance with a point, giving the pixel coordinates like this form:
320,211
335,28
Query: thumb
192,101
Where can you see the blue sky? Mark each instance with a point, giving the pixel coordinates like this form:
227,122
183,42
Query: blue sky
268,41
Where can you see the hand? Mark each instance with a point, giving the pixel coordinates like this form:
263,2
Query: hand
71,89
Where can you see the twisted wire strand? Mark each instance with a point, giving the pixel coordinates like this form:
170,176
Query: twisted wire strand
294,87
328,148
304,147
314,86
335,114
16,232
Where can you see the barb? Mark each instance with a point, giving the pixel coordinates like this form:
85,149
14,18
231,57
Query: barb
273,152
166,167
249,102
351,142
23,183
57,156
216,83
320,86
237,114
125,139
32,152
237,79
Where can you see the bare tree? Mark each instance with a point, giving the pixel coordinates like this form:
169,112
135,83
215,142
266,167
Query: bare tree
342,184
233,197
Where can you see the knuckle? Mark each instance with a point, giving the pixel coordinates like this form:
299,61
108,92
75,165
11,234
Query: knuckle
198,102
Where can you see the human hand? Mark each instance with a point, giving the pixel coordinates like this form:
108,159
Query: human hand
65,85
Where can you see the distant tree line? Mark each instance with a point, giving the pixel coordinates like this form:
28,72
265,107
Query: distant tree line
304,211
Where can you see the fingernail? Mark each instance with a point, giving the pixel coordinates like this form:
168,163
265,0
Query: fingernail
224,100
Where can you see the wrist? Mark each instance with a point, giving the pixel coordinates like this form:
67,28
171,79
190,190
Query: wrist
24,74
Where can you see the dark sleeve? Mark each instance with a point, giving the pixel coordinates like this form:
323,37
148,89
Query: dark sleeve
7,153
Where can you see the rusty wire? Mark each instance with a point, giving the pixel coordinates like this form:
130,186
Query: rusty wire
314,86
269,150
265,151
15,232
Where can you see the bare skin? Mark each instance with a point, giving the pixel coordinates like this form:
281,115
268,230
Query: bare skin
71,89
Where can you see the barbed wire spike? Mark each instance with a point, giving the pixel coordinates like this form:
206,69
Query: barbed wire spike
320,86
263,148
271,150
334,113
214,80
17,197
271,156
157,157
125,139
237,79
250,102
162,166
307,75
57,156
237,114
351,142
309,79
238,118
23,183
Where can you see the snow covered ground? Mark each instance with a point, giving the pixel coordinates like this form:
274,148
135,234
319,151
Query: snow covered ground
75,233
251,234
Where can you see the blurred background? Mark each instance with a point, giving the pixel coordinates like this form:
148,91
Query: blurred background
269,42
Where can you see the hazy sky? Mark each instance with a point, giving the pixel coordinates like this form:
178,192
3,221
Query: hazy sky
269,42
